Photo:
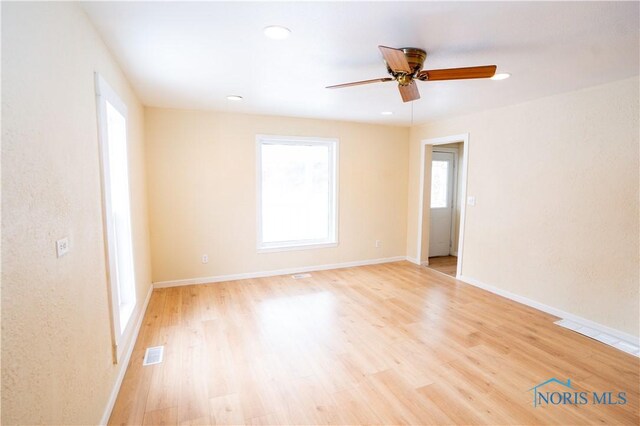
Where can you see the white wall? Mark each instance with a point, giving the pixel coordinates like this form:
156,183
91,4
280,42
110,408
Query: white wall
557,183
56,344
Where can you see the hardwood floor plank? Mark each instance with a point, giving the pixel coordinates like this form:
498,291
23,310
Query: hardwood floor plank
226,410
130,405
165,381
221,381
166,416
171,314
193,398
412,406
354,409
269,420
445,264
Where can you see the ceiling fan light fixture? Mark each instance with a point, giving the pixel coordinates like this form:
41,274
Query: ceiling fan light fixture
234,97
276,32
501,76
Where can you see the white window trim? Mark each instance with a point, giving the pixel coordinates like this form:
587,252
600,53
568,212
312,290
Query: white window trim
105,93
332,241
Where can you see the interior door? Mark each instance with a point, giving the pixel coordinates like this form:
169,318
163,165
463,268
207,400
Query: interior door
442,184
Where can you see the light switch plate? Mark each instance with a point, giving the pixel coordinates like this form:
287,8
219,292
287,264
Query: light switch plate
471,201
62,246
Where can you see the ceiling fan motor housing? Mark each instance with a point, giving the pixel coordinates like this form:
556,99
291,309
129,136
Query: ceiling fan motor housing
415,58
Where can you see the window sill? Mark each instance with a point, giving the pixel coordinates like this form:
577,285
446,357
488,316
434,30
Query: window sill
276,249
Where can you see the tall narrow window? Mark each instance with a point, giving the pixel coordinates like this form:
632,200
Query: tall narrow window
296,192
112,121
439,183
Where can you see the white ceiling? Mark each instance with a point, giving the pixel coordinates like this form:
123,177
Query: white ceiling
192,54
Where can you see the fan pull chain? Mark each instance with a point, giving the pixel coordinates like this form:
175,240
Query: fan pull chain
412,102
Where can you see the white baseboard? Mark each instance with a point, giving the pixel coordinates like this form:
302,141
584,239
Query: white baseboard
413,260
288,271
551,310
124,362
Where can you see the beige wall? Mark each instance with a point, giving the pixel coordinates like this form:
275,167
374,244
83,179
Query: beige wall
56,343
202,192
556,183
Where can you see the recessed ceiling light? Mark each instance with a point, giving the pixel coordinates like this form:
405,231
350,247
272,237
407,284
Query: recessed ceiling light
234,97
501,76
276,32
386,113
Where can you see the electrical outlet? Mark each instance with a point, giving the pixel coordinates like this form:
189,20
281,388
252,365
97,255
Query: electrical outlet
378,243
62,247
205,258
471,201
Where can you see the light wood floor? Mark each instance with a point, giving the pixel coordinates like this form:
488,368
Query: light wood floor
445,264
383,344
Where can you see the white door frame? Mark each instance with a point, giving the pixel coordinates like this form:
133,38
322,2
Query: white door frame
464,138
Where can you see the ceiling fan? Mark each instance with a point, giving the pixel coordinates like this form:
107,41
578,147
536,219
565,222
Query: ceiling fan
405,66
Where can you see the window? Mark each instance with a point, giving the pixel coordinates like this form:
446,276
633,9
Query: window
296,192
112,122
439,183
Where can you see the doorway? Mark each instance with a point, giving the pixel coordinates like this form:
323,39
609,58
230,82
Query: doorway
442,210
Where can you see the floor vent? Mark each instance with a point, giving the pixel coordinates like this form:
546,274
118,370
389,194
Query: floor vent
300,276
153,355
605,338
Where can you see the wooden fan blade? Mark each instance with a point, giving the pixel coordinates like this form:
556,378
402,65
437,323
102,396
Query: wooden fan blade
484,71
358,83
396,59
409,92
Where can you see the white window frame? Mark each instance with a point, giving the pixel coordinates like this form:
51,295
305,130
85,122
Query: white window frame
124,313
332,240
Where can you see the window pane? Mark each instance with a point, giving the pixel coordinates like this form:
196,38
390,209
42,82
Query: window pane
296,196
439,183
120,212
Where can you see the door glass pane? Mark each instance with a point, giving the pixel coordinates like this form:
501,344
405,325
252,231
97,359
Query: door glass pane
439,183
